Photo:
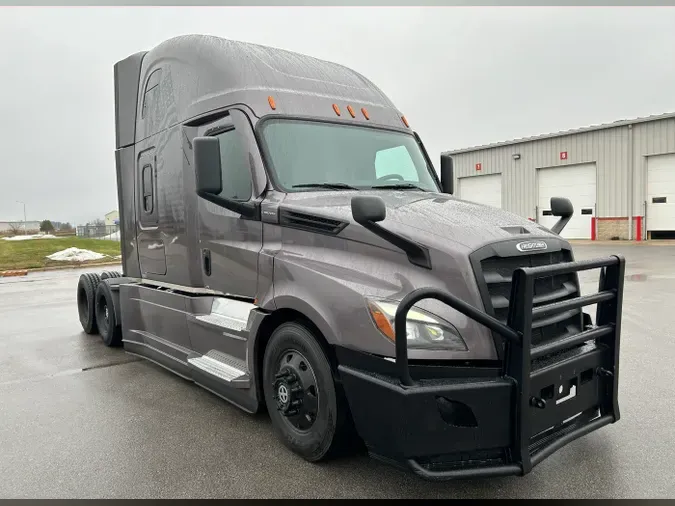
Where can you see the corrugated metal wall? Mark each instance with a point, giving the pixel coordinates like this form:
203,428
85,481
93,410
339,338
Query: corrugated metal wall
653,138
610,149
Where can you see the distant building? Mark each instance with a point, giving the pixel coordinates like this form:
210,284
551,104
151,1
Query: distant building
112,218
8,226
619,176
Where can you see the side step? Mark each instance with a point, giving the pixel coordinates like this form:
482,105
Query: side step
224,367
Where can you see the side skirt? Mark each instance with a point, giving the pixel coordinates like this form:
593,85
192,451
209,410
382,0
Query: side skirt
147,313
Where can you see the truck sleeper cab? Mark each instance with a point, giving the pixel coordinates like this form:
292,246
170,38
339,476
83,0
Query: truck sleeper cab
288,246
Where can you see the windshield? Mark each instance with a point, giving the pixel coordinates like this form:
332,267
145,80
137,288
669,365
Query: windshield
311,155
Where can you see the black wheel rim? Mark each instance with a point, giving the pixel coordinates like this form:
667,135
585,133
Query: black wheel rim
296,391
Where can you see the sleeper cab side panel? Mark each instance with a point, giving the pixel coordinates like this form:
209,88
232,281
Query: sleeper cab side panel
124,159
154,325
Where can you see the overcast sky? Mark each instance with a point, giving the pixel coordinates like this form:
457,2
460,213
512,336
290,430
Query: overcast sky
462,76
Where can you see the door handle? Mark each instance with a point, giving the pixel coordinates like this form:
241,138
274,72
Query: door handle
206,260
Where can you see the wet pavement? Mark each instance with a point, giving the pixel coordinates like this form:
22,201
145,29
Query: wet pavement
79,420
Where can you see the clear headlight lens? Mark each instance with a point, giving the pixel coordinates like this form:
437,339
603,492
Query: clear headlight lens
422,329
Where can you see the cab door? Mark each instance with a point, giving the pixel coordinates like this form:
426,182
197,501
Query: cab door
229,243
151,255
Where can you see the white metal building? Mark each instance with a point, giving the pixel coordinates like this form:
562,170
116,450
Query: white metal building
19,226
619,176
112,218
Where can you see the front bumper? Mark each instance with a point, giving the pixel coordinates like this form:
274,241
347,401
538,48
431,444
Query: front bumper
464,427
461,422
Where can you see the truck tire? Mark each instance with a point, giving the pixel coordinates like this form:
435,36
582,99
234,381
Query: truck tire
308,413
110,274
86,292
107,319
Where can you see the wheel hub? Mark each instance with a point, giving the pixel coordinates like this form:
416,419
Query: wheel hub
295,391
288,392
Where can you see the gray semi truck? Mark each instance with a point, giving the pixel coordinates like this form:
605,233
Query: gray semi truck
288,245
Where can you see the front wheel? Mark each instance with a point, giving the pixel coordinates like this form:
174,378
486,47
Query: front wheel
308,413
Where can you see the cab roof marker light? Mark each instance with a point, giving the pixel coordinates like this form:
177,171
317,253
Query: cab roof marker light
336,109
273,104
351,111
405,121
365,113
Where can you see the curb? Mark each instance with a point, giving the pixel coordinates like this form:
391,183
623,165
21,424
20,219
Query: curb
74,266
7,274
651,242
24,272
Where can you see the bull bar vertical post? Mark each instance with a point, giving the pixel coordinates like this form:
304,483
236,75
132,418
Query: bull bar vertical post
608,313
517,363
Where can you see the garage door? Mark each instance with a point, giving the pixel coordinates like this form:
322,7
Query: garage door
660,194
485,189
575,182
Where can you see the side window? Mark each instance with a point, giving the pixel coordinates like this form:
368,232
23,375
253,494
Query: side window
235,166
148,201
151,92
396,161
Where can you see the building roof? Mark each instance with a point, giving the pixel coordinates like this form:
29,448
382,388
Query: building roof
562,133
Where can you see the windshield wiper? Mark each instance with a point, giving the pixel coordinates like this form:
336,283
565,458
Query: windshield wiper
332,186
400,186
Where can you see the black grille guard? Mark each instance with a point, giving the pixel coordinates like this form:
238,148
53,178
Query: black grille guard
519,352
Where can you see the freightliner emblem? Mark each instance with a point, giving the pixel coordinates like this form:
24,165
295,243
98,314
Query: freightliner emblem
531,246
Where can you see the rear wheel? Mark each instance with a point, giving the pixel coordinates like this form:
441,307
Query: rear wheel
86,291
308,413
110,274
108,322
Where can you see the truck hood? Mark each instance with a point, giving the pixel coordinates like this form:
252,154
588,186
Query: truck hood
427,217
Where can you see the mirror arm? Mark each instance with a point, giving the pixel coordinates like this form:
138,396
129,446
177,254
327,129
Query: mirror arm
562,207
417,254
560,224
246,209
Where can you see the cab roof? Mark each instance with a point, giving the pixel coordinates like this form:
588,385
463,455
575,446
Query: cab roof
196,74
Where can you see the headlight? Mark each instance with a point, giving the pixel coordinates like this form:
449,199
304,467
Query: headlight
422,329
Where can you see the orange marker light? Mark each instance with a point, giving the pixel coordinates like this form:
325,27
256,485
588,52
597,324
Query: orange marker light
405,121
365,113
382,322
273,105
336,109
351,111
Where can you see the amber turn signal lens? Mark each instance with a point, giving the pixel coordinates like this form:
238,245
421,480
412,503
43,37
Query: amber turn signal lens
381,321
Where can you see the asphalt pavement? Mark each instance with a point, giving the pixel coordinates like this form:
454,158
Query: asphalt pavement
79,420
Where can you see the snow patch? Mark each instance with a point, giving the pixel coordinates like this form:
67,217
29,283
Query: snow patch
75,255
28,237
113,237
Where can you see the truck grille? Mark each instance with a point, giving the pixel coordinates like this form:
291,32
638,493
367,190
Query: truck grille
497,273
